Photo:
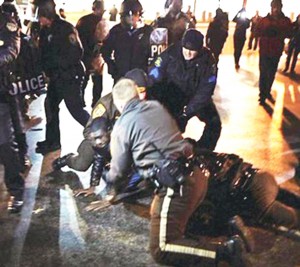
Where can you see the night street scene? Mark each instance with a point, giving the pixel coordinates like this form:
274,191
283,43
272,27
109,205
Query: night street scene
249,214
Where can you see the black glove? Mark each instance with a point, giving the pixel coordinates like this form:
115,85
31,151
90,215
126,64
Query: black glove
182,122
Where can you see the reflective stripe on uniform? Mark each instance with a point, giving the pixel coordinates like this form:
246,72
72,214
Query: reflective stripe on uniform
163,234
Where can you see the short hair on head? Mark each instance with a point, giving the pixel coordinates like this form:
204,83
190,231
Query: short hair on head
124,90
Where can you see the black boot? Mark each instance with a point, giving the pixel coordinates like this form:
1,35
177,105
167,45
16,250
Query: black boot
14,205
237,227
59,163
289,198
232,251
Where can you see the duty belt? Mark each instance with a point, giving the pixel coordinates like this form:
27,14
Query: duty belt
240,185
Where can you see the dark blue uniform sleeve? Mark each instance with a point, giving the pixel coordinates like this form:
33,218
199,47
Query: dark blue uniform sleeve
107,50
72,48
205,88
10,42
158,69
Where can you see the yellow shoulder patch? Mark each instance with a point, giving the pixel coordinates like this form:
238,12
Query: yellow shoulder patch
12,27
157,62
98,111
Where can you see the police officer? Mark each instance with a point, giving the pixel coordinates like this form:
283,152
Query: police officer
86,27
237,188
18,102
103,117
184,78
61,53
174,20
152,136
9,50
127,45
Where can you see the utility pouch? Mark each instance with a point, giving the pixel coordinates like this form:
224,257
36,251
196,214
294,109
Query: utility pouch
170,173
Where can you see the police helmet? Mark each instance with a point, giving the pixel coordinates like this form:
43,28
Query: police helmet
131,7
47,9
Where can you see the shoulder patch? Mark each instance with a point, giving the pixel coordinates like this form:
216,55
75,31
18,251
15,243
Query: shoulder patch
98,111
157,62
73,38
12,27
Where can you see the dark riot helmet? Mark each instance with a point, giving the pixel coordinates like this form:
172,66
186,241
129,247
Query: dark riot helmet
47,9
130,7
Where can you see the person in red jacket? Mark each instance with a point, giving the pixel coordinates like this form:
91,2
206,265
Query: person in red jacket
272,30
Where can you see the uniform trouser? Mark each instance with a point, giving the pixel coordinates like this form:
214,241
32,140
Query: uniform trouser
9,155
269,206
84,157
213,126
70,92
97,87
293,51
238,43
267,71
170,212
16,109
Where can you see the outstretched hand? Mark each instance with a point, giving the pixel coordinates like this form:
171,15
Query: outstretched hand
85,192
98,205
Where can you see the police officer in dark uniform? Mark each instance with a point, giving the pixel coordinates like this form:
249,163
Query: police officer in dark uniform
61,53
86,27
9,50
127,45
152,139
18,102
184,78
176,21
235,187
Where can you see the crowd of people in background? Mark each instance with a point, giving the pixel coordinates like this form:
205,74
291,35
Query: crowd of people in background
175,86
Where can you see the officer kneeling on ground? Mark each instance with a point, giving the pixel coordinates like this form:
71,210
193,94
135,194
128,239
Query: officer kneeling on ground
147,136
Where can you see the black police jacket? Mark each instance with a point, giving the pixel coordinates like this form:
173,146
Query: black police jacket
9,48
193,82
61,50
124,49
228,169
